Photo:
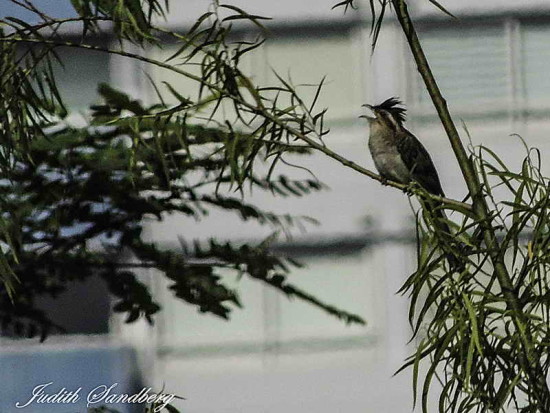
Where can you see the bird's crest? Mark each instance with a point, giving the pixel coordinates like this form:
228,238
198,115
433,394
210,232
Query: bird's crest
394,106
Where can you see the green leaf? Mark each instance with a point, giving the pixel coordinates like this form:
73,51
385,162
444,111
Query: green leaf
473,323
440,7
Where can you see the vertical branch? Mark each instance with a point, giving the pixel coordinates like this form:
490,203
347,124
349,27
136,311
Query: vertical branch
529,362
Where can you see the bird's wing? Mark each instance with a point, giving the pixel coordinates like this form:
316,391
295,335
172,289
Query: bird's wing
418,161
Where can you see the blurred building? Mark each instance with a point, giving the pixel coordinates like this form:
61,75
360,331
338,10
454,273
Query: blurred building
282,356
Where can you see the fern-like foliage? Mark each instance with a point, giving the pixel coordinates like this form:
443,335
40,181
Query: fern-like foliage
74,198
82,196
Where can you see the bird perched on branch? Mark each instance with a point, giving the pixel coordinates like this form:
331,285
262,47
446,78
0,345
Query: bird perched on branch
399,156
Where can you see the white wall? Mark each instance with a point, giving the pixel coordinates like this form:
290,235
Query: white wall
184,13
303,12
486,7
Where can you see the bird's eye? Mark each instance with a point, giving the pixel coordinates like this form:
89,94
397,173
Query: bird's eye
389,120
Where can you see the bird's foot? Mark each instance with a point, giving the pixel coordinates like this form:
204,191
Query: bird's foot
384,181
409,189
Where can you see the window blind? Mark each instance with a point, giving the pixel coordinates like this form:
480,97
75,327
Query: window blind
470,64
536,60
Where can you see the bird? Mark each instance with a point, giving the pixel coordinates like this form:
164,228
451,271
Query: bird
399,156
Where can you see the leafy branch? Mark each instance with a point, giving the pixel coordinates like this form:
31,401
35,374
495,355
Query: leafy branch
257,107
532,368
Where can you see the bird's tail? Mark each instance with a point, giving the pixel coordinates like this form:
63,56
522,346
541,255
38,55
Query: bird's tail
440,221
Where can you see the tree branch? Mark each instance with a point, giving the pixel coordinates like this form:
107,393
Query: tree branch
254,108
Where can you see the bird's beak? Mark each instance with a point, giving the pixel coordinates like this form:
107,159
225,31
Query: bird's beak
367,116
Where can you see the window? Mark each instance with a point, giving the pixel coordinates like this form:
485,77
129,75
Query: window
306,58
356,280
78,76
496,68
183,326
536,60
78,79
469,63
346,281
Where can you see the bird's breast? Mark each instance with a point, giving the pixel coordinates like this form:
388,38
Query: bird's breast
386,156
